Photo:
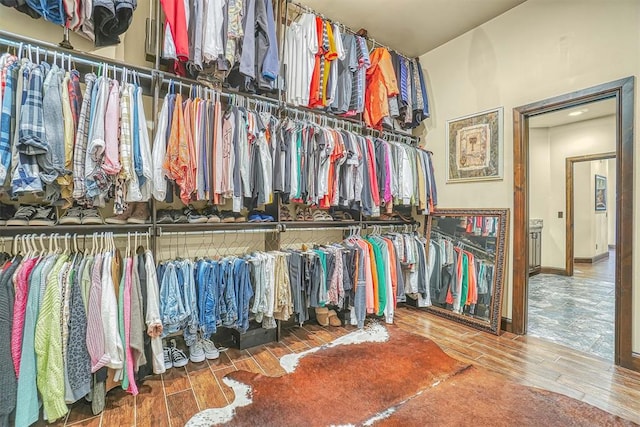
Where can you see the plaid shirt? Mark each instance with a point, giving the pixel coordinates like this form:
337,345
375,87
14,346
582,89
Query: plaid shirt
31,136
80,147
6,113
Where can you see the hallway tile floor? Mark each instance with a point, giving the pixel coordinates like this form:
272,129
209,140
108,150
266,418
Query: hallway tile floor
577,311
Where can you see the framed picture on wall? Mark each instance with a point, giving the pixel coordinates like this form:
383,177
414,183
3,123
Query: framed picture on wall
601,193
475,147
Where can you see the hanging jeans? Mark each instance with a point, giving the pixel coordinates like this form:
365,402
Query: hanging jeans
208,296
244,292
227,299
172,310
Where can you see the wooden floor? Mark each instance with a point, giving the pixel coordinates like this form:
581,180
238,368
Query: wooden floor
171,399
604,269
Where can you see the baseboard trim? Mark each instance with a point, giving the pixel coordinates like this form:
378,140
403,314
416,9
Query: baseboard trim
592,259
506,325
635,362
553,270
632,363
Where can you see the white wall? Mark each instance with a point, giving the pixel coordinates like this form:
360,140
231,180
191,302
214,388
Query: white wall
537,50
576,139
539,155
591,228
611,201
584,218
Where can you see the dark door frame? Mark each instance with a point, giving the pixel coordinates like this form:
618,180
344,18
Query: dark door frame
623,92
569,222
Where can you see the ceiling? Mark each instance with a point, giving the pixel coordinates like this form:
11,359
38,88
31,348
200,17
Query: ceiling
590,111
412,27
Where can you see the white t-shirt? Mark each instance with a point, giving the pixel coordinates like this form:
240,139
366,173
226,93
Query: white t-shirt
301,46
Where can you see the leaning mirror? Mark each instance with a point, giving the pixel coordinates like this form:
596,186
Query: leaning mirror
467,251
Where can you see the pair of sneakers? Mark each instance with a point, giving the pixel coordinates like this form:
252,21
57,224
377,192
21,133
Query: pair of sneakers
173,356
79,215
34,215
203,349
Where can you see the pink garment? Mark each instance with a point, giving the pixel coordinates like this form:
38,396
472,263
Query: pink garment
95,331
19,307
371,165
387,169
368,276
131,375
112,164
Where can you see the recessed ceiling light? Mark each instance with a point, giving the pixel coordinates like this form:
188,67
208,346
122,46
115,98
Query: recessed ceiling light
575,113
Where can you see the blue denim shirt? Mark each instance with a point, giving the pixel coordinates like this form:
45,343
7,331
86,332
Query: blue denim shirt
6,126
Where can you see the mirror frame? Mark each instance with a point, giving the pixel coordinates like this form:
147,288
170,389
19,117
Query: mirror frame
502,239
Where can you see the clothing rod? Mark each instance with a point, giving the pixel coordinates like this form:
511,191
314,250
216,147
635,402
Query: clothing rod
186,83
148,75
88,59
327,229
77,235
457,242
200,233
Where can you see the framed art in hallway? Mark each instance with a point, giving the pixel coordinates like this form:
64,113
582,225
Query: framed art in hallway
601,193
475,147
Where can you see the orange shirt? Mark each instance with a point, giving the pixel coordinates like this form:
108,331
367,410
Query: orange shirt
179,161
381,85
315,91
394,272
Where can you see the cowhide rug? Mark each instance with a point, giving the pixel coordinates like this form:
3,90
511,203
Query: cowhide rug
382,375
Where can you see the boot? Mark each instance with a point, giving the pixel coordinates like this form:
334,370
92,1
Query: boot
140,213
123,217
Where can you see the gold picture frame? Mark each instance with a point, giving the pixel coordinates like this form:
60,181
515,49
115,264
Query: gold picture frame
475,147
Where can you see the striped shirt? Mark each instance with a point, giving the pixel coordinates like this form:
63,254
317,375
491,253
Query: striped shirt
82,138
31,133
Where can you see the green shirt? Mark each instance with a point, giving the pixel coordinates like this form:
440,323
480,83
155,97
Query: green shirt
48,346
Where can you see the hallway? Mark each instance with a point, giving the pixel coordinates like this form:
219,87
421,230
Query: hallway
577,311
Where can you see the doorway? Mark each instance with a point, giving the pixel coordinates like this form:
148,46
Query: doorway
574,307
622,92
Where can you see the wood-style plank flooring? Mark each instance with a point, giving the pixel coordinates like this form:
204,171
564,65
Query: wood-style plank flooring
171,399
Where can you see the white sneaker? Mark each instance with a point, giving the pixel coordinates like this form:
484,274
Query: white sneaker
196,352
210,350
168,363
178,357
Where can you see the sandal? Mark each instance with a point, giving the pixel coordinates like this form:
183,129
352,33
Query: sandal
322,316
285,215
307,215
319,215
334,320
300,214
342,216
